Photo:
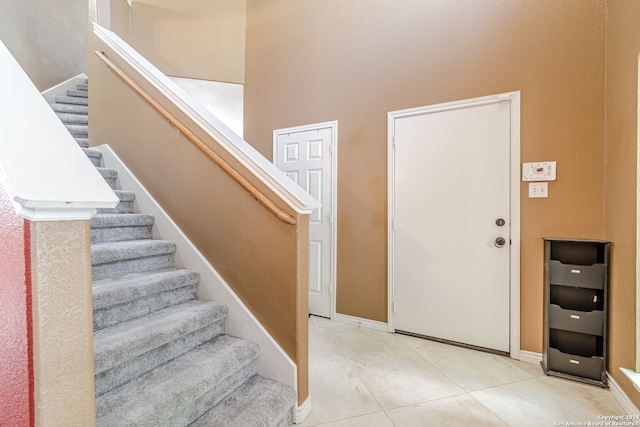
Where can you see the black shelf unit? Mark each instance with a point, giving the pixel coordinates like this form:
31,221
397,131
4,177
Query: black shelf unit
576,276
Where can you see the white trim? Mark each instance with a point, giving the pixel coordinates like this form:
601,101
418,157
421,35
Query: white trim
294,196
530,357
514,99
302,411
633,376
273,363
333,125
359,321
620,395
61,88
55,214
104,13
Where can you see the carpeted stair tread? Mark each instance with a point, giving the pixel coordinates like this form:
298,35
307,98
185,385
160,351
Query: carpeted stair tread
131,339
68,118
137,298
110,292
121,227
109,175
70,109
179,391
94,155
121,220
105,253
78,93
127,370
71,100
125,196
80,130
124,207
82,142
82,86
259,402
116,259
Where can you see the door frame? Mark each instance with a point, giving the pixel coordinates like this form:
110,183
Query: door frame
513,98
333,125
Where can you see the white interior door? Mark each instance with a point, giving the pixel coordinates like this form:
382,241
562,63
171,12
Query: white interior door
451,189
306,155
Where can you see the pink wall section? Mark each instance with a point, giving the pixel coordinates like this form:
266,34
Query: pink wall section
16,353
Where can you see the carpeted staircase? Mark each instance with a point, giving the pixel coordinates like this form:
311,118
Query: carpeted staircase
161,355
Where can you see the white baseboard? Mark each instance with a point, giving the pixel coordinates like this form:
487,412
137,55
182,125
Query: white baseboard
302,411
621,396
358,321
530,357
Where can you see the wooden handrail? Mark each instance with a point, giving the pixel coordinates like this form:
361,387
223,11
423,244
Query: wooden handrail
257,194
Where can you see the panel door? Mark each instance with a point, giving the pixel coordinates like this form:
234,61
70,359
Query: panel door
451,193
305,157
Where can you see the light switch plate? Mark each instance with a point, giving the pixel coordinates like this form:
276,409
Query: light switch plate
539,171
538,190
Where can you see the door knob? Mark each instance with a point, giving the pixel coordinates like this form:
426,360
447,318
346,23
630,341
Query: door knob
499,242
500,222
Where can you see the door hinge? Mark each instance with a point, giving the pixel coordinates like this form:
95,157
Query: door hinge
394,307
330,148
330,218
393,224
394,141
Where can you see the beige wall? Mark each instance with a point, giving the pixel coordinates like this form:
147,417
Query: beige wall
62,323
47,38
119,18
198,39
623,46
354,61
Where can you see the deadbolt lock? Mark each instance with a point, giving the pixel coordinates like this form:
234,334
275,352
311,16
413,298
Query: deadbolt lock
500,222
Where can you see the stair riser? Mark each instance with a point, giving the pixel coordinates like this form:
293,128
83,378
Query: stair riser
122,207
71,100
121,268
113,183
149,303
84,143
78,131
119,234
82,86
74,119
70,109
78,93
93,155
115,377
215,395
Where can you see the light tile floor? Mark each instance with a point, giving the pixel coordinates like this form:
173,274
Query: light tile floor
362,377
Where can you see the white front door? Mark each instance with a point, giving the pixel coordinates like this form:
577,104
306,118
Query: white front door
306,155
451,223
